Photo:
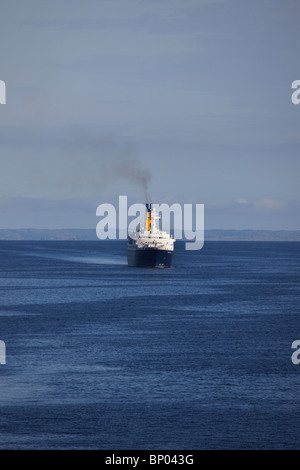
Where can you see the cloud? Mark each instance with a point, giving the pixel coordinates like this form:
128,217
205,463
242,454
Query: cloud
269,204
245,206
260,214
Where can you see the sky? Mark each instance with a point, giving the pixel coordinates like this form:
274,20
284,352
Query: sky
189,97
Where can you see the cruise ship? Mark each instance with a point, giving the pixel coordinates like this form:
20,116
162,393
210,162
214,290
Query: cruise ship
150,247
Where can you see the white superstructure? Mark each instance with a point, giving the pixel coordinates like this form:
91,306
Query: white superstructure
151,236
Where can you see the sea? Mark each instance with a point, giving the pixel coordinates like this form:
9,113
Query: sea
102,356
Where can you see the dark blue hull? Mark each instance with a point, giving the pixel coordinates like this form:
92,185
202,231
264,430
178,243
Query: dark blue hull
149,258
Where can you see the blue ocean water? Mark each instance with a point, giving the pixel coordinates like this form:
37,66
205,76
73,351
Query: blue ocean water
102,356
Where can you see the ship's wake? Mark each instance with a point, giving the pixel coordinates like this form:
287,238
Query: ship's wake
96,259
90,259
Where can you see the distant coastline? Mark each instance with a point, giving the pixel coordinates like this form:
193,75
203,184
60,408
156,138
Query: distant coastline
90,234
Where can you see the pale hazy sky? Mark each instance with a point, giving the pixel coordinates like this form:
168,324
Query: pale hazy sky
195,93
